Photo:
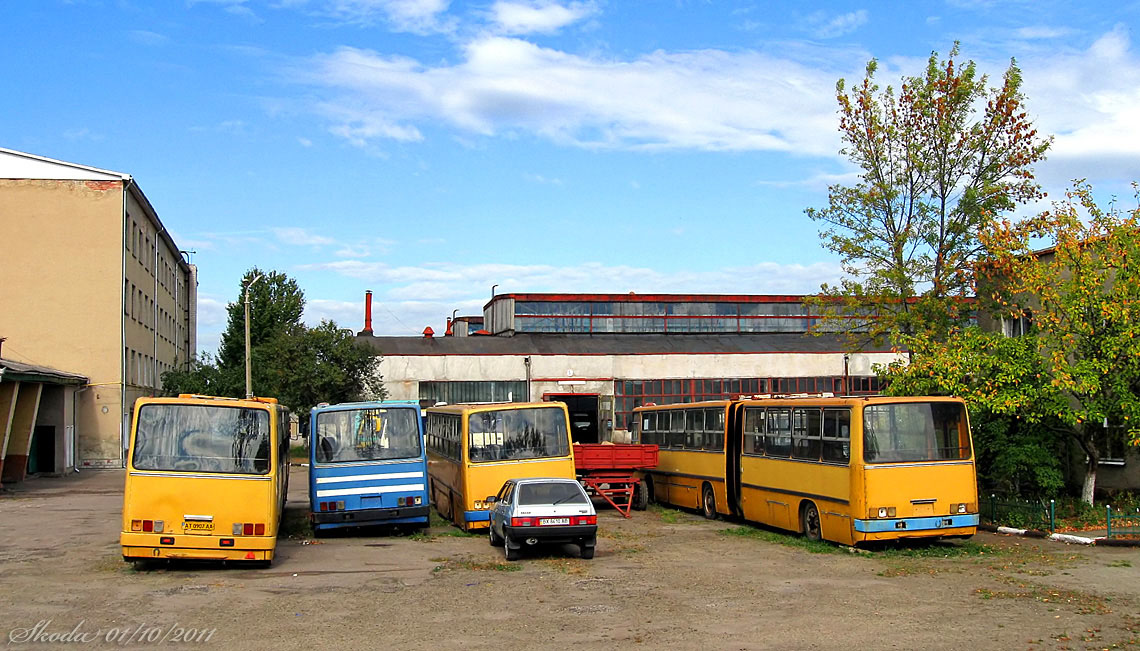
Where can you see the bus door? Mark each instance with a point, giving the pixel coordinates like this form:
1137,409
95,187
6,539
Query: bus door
732,445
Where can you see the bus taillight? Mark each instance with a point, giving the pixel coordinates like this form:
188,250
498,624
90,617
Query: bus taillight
148,526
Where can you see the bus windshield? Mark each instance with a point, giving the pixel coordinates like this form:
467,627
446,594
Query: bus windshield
202,438
916,431
373,434
531,433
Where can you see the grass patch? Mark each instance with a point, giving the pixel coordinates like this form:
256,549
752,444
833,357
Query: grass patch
1081,603
939,549
298,453
1120,563
788,540
571,566
668,515
446,564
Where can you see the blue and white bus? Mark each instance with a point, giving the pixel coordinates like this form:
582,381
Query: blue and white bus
367,465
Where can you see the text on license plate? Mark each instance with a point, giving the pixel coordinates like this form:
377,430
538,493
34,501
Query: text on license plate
204,527
547,521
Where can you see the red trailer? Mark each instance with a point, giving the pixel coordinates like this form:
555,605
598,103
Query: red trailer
610,470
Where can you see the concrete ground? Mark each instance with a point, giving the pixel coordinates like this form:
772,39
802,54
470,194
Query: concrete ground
661,579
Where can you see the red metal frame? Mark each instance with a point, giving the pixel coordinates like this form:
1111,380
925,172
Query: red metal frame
607,470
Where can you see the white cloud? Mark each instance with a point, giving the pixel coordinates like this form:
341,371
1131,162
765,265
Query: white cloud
1094,116
415,16
296,236
832,27
144,37
543,17
701,100
1042,32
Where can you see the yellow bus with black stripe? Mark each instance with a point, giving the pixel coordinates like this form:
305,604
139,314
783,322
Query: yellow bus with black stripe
850,470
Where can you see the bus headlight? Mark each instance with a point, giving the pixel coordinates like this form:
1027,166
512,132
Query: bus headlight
882,512
961,508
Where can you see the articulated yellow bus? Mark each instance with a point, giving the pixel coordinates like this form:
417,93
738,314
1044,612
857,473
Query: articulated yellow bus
206,479
849,470
474,449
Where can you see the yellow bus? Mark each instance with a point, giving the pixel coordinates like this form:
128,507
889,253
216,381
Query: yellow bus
474,449
850,470
206,479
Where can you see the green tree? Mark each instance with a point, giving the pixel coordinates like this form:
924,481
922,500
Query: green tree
298,365
308,366
1004,384
1077,370
938,160
276,303
1083,296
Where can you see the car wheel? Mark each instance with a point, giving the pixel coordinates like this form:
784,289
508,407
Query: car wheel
511,552
811,526
495,540
708,503
641,496
587,550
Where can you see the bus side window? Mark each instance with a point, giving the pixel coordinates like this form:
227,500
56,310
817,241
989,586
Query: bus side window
836,435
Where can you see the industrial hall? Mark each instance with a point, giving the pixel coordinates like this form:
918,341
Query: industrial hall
605,354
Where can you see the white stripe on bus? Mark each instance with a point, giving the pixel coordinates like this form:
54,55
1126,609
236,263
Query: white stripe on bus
371,489
391,475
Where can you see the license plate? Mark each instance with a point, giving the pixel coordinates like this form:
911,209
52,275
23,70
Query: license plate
548,521
198,527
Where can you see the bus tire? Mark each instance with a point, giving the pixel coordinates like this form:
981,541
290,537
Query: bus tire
641,496
650,498
809,522
708,503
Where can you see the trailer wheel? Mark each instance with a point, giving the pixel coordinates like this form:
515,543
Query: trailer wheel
641,496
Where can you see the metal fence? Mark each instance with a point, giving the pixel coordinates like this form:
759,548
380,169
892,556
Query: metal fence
1021,514
1122,524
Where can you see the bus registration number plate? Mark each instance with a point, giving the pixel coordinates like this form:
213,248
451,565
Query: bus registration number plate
548,521
198,527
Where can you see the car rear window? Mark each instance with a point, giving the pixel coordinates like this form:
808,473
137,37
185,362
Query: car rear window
552,493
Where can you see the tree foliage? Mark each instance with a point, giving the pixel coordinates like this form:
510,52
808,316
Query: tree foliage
938,160
1083,295
298,365
1078,367
276,303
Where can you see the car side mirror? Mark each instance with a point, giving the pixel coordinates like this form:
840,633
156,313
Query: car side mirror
491,500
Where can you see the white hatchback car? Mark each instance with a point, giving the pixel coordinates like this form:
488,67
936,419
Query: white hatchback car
538,510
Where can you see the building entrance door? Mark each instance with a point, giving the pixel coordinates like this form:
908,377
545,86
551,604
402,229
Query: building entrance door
583,410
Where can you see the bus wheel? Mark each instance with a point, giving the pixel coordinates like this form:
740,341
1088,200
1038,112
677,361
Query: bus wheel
641,496
708,503
810,519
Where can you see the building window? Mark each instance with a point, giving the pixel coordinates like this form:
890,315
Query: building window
1111,441
1016,326
467,392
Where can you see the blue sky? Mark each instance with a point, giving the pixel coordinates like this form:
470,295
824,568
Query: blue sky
427,150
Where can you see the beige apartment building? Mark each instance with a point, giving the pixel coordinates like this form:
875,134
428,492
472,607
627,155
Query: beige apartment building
91,284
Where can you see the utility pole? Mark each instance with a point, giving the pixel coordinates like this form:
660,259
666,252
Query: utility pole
248,383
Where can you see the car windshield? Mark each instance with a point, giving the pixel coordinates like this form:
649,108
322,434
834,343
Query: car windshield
366,435
551,493
202,438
